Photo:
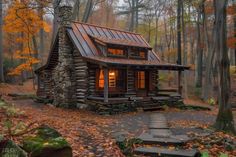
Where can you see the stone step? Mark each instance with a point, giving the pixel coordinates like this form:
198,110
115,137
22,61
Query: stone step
158,124
160,132
163,152
171,140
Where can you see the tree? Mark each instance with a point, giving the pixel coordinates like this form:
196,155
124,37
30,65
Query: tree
1,43
224,119
88,10
199,49
23,20
179,49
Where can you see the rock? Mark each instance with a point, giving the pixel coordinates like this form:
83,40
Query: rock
9,148
159,152
47,142
150,139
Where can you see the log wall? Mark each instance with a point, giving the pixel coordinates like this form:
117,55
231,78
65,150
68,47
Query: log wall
131,89
81,77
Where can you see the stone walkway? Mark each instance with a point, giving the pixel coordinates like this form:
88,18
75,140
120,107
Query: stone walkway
160,134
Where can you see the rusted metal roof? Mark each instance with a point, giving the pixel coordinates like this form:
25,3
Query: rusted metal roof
82,34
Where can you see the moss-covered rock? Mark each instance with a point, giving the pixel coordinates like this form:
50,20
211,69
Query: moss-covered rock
9,148
47,142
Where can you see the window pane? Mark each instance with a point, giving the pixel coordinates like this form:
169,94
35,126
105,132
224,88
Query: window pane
142,54
112,78
117,52
101,79
141,79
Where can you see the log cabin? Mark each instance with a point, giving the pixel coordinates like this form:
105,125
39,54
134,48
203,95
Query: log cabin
89,62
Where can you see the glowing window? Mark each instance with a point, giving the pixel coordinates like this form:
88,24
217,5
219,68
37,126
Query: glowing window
116,52
141,80
112,78
101,79
142,54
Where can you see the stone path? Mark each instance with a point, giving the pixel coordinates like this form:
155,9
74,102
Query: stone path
159,133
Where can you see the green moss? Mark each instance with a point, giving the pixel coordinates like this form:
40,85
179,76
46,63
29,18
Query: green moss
11,149
37,144
46,140
225,121
46,132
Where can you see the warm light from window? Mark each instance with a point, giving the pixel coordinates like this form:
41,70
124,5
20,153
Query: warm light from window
117,52
101,79
142,54
141,79
112,78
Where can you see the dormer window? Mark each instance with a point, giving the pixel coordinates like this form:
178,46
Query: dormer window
138,53
116,52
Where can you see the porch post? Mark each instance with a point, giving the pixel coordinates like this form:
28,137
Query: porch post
179,82
106,85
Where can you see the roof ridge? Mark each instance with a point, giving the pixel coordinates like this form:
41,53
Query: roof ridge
115,29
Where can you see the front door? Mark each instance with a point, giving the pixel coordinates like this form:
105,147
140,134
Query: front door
142,83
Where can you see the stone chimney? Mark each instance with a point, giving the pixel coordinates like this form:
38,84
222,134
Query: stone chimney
65,15
63,75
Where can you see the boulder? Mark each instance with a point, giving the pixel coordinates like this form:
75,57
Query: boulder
47,142
9,148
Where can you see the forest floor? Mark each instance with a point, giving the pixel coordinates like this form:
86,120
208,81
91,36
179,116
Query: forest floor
93,135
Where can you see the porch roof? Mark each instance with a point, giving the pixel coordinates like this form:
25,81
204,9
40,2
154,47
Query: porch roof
106,61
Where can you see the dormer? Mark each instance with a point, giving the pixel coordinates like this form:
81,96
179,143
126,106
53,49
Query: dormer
120,48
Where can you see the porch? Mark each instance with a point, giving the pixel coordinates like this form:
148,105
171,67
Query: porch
130,83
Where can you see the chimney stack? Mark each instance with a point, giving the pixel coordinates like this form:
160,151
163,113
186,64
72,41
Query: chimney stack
65,14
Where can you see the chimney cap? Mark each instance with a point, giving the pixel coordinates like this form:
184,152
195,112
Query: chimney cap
65,3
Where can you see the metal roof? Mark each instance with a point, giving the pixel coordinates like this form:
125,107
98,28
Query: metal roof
82,34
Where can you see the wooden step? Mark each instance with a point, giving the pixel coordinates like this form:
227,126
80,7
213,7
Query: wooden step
163,152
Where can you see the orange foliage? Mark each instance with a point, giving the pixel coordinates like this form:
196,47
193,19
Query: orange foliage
231,42
25,22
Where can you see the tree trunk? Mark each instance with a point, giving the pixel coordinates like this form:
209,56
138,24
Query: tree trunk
136,15
132,20
185,57
76,10
179,60
41,36
235,37
55,20
88,11
209,61
156,33
224,119
1,44
198,76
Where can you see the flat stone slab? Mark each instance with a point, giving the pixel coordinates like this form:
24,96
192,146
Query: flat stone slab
150,139
156,116
160,132
135,98
161,98
158,125
161,152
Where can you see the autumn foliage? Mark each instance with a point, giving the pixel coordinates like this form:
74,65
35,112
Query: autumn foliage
24,22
